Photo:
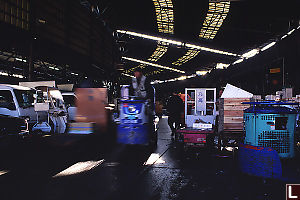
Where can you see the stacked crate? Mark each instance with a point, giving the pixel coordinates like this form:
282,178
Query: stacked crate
230,123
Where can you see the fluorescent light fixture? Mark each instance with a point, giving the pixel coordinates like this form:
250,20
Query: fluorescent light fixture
154,158
55,68
13,75
291,31
19,59
17,75
268,46
157,81
222,66
153,64
74,74
250,53
178,43
174,42
210,50
79,168
4,74
201,73
182,78
2,172
238,61
284,37
174,79
254,52
127,75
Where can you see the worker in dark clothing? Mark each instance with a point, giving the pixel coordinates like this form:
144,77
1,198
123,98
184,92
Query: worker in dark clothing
141,86
174,109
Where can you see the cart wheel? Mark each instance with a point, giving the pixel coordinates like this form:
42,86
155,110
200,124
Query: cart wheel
177,140
153,141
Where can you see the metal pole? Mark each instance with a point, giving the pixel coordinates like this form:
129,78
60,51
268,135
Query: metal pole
283,81
30,62
32,30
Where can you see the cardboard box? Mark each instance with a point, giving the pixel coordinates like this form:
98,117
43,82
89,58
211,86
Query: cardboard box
91,103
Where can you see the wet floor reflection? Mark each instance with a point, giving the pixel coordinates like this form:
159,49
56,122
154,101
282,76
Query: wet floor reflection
170,173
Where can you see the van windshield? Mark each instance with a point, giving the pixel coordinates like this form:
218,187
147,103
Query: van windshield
25,98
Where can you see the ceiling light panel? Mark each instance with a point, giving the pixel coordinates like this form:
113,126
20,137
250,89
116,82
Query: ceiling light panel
165,24
154,72
217,12
164,16
190,54
160,50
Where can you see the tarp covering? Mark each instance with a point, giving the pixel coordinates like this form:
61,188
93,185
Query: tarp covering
259,161
231,91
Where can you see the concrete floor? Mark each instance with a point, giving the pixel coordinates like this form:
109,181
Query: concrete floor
35,168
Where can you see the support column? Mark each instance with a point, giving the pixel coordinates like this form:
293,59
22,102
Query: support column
30,62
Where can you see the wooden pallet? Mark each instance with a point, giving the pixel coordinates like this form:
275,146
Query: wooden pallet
231,114
230,122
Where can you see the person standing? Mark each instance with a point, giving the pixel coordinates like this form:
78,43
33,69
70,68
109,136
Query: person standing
141,86
174,107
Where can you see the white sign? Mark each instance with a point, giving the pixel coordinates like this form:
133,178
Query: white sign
202,126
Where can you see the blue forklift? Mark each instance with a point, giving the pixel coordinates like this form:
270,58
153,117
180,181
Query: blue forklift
136,122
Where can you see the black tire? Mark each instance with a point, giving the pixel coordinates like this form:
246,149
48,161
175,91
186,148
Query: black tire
153,141
51,124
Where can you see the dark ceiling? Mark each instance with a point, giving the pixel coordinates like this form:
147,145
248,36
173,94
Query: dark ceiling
249,24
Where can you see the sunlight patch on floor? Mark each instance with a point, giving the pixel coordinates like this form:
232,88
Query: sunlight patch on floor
79,168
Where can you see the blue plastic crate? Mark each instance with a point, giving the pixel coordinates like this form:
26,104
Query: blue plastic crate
271,125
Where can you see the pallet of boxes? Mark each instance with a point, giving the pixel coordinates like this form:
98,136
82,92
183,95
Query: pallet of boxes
230,120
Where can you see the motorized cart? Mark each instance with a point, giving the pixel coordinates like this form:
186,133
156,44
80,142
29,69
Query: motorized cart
135,124
200,115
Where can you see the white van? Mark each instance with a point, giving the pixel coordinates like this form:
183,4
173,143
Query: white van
18,101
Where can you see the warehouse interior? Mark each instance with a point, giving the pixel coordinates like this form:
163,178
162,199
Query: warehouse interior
153,99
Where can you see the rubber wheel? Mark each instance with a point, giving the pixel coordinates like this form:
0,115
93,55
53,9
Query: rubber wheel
153,141
52,126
